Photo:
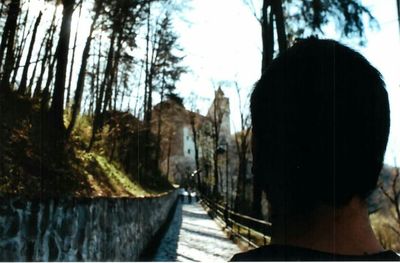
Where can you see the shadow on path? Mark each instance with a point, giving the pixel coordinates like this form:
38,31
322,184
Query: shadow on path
168,247
193,236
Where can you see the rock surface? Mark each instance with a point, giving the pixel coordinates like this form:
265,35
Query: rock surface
72,229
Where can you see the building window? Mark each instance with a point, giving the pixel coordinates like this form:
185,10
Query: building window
188,151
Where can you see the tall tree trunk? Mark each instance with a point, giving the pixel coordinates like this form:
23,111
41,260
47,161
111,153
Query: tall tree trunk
147,60
118,28
92,87
240,187
169,152
280,24
113,73
21,48
46,94
6,29
2,7
97,87
73,56
24,78
216,130
216,177
97,119
267,29
267,32
32,79
398,12
57,105
47,55
196,147
146,93
159,124
149,107
124,90
13,13
81,78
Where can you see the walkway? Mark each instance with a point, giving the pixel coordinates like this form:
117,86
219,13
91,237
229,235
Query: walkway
193,236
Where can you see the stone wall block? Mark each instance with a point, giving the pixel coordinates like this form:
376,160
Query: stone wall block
80,229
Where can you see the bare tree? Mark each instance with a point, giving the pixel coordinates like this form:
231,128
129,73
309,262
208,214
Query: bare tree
297,16
81,77
21,46
49,39
8,38
217,115
242,141
24,78
194,126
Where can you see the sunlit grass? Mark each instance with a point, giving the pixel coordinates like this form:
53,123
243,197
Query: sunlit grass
118,178
108,178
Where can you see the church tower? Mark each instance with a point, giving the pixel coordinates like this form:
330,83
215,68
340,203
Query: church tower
220,112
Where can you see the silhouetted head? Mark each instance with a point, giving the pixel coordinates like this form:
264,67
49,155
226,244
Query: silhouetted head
320,116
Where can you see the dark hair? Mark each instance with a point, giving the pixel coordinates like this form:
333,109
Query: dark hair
320,116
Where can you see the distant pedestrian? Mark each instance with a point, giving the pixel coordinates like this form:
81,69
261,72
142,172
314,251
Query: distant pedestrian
189,197
182,194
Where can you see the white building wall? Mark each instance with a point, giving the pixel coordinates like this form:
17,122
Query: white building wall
188,143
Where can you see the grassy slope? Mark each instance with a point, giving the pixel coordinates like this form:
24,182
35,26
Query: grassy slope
28,166
108,179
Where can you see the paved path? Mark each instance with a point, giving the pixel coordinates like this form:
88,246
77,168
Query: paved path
193,236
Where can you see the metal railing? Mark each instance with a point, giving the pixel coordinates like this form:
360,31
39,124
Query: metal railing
242,226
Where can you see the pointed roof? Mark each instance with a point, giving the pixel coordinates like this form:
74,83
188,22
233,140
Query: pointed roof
219,93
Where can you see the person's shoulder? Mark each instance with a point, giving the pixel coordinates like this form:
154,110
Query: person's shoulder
270,252
291,253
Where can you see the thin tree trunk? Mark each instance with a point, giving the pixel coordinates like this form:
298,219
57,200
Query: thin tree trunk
81,78
159,124
24,78
46,56
267,35
9,61
169,152
113,73
280,24
21,48
97,88
73,56
92,90
147,61
118,28
32,79
57,104
6,29
97,119
124,90
196,147
50,74
216,126
117,86
2,7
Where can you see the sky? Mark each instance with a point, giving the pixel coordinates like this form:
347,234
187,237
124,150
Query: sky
222,43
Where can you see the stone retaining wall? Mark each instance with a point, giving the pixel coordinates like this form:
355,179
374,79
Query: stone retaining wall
76,229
